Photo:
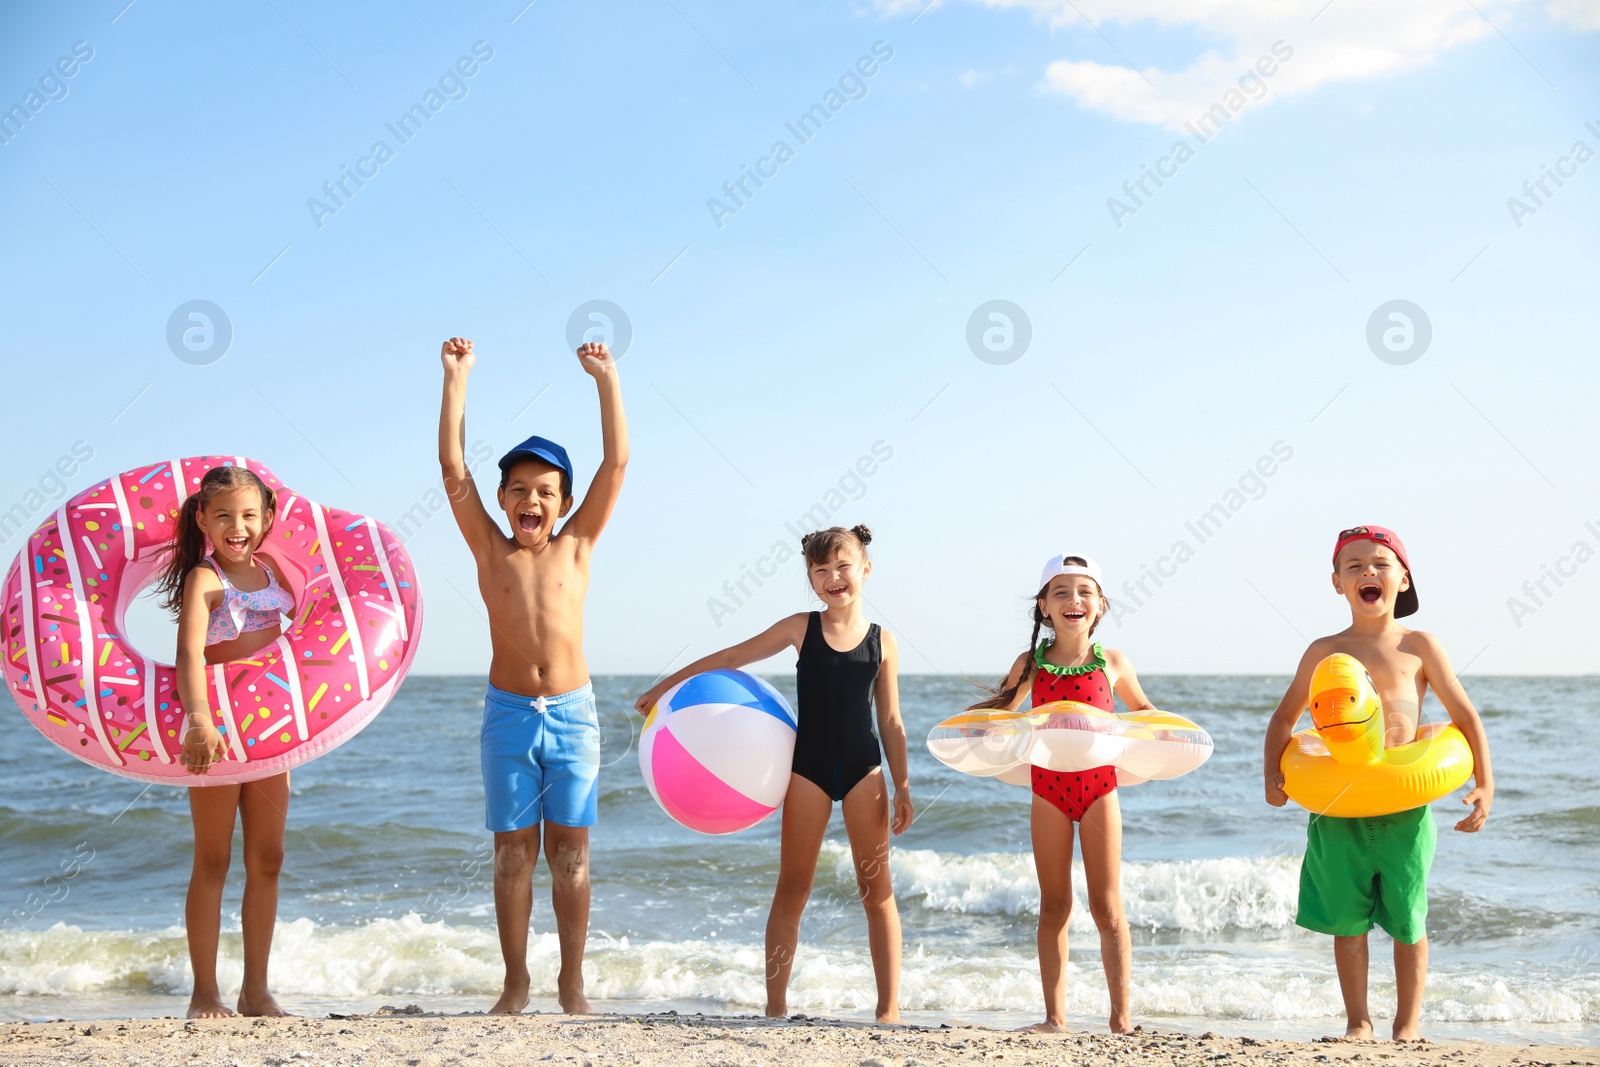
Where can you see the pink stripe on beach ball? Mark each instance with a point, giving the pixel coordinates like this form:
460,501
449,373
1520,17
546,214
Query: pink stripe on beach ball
693,796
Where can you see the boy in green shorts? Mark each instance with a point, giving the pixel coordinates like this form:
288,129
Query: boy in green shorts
1358,872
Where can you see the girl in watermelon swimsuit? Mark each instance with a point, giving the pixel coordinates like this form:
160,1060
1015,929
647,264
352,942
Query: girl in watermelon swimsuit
1070,666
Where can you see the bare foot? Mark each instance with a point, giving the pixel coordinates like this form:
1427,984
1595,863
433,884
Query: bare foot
1409,1033
513,998
569,991
777,1011
1120,1026
1361,1031
1046,1027
209,1006
260,1004
890,1016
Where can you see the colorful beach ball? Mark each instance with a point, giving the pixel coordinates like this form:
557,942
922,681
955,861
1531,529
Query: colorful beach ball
717,750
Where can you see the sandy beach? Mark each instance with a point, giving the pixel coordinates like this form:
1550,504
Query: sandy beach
408,1037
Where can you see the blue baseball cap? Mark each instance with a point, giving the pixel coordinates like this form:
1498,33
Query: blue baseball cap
542,449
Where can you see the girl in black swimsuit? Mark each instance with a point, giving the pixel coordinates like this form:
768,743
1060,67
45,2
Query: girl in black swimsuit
836,755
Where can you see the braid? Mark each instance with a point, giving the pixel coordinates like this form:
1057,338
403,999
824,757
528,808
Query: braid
1003,697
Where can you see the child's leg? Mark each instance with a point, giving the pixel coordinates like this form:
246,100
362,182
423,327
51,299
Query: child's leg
1410,976
566,850
1405,854
514,855
211,809
806,809
1052,858
1100,840
263,812
866,820
1350,958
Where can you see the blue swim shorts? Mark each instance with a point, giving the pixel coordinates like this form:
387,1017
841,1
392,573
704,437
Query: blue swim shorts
541,759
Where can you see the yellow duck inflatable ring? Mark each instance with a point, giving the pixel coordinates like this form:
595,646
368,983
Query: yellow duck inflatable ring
1341,768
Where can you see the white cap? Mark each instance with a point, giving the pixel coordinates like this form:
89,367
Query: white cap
1058,566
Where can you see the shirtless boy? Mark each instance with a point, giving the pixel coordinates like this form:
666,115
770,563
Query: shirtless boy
540,740
1360,871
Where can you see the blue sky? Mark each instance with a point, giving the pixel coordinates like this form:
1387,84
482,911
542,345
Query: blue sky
1225,317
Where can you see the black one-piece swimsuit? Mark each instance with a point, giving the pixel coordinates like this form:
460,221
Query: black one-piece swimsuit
834,745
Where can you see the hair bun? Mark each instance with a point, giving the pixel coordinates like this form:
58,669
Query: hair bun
862,532
805,539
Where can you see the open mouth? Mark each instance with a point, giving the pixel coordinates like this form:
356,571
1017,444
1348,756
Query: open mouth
1370,593
1075,616
528,522
237,544
837,590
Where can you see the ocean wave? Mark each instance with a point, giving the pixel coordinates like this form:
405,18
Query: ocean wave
1192,896
410,957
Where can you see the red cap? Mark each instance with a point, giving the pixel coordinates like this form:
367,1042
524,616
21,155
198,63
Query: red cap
1404,604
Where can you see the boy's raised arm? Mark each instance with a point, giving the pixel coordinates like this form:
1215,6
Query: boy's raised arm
465,504
1447,687
598,503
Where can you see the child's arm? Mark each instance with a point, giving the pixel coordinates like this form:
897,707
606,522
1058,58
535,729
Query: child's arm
780,635
472,517
1127,682
202,743
592,515
1016,681
1280,729
1447,687
892,731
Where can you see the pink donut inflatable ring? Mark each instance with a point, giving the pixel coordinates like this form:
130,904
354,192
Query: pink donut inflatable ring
358,615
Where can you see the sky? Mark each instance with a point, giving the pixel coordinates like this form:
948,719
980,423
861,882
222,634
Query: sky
1185,288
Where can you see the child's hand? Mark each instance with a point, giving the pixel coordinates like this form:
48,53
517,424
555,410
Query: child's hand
596,359
648,699
1275,794
202,746
904,812
456,355
1480,799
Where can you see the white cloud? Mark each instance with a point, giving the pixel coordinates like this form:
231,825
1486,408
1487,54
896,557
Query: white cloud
1349,40
1579,14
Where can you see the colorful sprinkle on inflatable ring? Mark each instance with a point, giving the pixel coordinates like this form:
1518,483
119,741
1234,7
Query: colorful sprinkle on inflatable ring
68,664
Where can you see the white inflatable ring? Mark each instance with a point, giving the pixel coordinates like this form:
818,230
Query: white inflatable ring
1070,736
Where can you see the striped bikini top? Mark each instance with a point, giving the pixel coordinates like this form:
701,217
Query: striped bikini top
242,611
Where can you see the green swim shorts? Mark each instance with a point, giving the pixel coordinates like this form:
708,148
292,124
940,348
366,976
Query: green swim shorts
1360,871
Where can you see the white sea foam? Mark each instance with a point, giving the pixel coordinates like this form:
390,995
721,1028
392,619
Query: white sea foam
408,957
1197,896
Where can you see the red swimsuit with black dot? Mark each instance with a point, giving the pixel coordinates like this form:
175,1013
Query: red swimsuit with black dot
1073,792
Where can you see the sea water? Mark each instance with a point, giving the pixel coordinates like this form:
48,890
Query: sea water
387,884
